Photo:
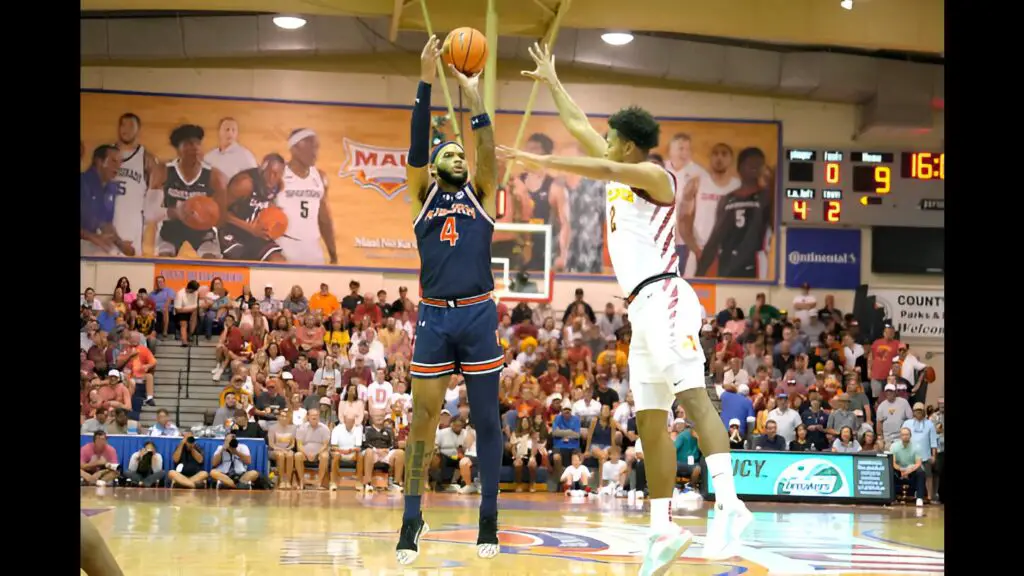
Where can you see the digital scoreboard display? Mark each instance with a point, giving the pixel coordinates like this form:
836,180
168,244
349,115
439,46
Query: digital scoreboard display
863,188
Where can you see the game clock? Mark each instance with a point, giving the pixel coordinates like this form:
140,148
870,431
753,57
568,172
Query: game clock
861,188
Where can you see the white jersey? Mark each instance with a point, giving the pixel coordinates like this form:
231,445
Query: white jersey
131,197
232,160
640,234
708,196
378,395
300,200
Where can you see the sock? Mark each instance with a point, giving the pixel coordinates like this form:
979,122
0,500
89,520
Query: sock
661,513
412,507
720,470
482,391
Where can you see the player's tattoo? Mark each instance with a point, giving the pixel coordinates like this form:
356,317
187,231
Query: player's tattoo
419,456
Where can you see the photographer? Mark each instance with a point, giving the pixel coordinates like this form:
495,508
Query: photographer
146,467
188,461
230,465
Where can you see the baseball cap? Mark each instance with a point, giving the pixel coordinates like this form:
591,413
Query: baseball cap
734,422
782,395
567,407
555,396
858,412
325,401
268,285
743,390
678,421
919,406
890,387
446,411
114,373
901,386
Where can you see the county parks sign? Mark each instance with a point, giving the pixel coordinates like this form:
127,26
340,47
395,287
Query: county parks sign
916,312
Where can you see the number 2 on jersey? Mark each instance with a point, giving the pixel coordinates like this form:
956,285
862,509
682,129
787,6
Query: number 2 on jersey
611,220
448,232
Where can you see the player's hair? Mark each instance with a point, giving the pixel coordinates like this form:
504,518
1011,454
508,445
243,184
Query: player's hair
272,158
656,158
723,145
636,125
133,116
100,153
186,132
225,119
747,153
681,137
545,142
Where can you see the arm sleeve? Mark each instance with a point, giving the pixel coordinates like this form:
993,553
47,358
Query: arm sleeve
419,142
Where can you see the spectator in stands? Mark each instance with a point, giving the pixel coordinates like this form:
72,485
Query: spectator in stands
924,438
324,302
800,376
907,465
164,426
868,442
566,433
687,452
97,422
296,302
214,307
576,477
735,375
858,399
108,317
736,438
730,312
379,446
403,304
145,469
786,419
846,442
121,424
829,311
522,443
770,440
892,412
346,441
89,300
113,393
840,417
736,404
268,305
766,312
163,304
269,404
815,423
601,436
609,323
368,309
97,461
880,359
913,370
761,421
227,411
804,304
313,444
281,441
801,443
188,462
579,302
138,362
729,346
449,442
353,299
310,337
186,307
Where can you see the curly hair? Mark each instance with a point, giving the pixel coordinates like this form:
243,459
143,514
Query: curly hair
636,125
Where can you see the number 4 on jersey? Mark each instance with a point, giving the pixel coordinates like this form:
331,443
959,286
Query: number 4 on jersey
448,232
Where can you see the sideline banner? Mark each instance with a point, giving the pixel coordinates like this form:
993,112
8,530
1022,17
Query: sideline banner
362,155
827,259
177,275
915,312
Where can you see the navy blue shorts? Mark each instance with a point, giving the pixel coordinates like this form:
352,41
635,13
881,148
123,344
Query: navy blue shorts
463,339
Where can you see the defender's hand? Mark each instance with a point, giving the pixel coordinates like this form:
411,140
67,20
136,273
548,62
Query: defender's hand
528,160
428,59
545,60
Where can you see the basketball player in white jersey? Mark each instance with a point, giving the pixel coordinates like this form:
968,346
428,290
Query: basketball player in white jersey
229,156
666,362
138,166
304,200
697,207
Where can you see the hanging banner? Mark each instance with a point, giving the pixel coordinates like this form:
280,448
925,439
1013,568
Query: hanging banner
824,258
914,312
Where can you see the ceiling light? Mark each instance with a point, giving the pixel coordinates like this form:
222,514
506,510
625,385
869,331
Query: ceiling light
289,22
617,38
848,4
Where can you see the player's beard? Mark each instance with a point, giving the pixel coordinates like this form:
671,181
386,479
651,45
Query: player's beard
451,179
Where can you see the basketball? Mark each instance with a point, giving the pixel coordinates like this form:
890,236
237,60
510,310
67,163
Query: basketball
200,213
466,49
929,374
274,221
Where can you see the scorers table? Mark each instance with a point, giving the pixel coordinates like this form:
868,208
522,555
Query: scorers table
862,189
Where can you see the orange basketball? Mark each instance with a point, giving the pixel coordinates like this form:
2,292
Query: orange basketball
200,212
274,221
466,49
929,374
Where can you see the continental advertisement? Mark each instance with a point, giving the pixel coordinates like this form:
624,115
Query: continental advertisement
812,477
342,194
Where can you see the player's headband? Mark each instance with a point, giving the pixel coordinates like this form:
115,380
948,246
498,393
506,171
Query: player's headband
300,136
433,155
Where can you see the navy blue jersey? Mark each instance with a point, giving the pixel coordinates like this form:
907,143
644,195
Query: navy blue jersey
453,236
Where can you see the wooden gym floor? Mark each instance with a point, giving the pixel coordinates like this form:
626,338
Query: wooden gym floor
219,533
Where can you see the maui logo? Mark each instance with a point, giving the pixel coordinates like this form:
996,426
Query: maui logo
375,168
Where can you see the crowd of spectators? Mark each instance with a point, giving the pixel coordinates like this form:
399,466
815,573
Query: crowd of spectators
325,382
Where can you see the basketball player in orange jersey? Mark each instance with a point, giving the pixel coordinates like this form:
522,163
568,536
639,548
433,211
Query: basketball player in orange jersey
697,207
247,195
184,177
138,166
304,200
666,362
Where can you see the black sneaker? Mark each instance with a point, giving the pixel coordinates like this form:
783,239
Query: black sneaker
149,401
487,537
409,540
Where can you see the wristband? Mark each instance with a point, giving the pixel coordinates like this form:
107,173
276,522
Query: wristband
481,121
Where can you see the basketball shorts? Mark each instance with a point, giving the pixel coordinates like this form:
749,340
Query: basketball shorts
174,234
665,356
462,335
238,244
307,251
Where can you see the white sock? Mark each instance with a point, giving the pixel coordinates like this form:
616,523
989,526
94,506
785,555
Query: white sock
720,473
661,513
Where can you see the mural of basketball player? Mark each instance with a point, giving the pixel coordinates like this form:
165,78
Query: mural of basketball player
697,207
138,167
586,199
248,194
229,156
304,200
549,205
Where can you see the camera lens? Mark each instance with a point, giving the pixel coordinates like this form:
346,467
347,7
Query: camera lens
234,442
191,440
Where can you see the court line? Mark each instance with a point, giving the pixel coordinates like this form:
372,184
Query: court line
870,535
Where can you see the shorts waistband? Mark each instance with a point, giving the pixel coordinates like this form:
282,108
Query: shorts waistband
457,302
645,283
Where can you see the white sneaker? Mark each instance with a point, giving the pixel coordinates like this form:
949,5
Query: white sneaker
368,488
919,503
217,373
663,549
333,487
619,493
726,528
101,483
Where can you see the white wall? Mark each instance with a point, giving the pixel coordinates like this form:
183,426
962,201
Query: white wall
804,124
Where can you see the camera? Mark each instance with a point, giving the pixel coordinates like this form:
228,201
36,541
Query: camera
191,440
233,443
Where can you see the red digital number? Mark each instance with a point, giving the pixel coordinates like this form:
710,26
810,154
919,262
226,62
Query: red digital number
832,173
833,211
800,210
448,232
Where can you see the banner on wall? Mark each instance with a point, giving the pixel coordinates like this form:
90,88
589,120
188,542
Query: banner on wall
706,295
177,275
356,175
914,312
823,258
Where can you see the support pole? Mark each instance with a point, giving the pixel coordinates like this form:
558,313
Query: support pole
441,77
550,37
491,68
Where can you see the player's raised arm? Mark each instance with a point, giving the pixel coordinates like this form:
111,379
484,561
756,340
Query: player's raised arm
326,223
485,176
416,174
573,118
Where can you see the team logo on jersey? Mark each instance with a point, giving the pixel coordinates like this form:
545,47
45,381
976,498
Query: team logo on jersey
621,193
375,167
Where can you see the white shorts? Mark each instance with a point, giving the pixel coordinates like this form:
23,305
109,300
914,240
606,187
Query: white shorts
302,251
665,355
377,458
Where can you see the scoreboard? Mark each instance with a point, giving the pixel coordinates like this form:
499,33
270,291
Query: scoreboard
863,188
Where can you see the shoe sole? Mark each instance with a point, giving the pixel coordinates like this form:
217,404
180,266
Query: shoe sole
406,557
666,563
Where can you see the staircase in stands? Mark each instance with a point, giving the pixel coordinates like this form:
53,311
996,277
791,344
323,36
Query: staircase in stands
182,382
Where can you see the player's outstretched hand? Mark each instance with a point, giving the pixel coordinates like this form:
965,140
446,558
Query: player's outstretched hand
428,59
545,60
470,84
518,156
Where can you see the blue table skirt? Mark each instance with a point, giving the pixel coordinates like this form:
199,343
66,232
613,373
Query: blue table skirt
127,445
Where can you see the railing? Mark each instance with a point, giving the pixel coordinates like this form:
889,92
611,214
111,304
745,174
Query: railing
177,401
